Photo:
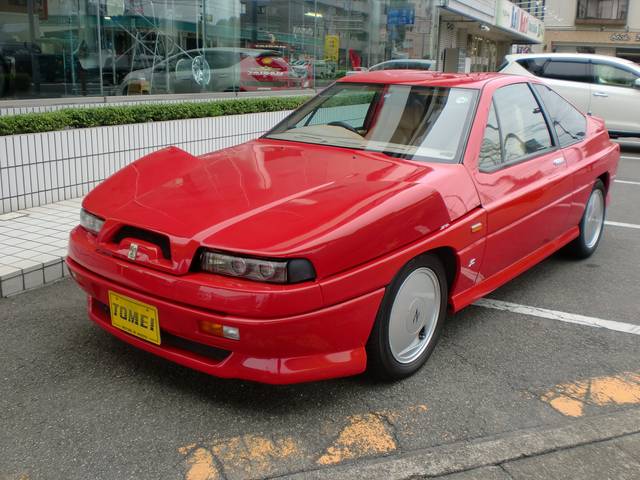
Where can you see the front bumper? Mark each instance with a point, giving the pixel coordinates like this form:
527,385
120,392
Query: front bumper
325,343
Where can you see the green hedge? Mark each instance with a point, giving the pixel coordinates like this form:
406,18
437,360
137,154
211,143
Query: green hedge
121,115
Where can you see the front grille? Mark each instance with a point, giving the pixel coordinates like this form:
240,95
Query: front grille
168,339
158,239
194,347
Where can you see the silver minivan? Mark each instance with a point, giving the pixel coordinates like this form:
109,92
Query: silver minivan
607,87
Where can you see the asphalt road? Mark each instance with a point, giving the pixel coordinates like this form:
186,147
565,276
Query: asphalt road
77,403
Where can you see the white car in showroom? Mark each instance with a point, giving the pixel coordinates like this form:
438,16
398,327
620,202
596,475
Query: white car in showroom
607,87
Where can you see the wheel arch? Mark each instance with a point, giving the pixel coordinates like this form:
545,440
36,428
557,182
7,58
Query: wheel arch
606,179
449,259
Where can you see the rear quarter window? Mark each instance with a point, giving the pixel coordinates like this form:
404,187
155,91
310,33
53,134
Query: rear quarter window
570,125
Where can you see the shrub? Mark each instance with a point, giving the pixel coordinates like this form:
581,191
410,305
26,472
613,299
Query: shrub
121,115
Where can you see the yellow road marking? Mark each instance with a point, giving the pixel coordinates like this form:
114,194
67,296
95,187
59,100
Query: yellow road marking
201,466
256,455
570,399
251,454
365,435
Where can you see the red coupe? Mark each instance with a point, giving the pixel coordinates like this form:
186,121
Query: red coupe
337,241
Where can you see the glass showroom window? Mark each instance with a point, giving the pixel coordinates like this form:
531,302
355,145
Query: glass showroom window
58,48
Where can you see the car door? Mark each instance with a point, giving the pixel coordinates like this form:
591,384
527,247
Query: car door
615,97
571,132
571,78
521,178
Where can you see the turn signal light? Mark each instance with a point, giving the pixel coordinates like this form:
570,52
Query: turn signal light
219,330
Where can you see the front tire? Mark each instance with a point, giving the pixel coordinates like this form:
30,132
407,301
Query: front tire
409,320
591,224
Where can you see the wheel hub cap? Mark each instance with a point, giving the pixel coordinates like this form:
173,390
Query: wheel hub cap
594,218
414,315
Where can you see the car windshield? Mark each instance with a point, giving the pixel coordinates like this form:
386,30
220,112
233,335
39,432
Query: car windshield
417,123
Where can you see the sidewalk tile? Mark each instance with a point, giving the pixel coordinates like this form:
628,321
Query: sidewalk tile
25,264
8,250
10,216
45,248
7,272
33,245
9,259
13,241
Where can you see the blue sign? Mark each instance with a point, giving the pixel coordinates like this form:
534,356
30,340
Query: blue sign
401,16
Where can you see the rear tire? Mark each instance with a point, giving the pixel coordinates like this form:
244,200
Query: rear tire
409,320
591,224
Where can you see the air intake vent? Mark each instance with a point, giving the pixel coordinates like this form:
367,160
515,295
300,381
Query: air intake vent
158,239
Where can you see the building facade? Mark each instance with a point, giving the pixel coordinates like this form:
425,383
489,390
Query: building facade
607,27
86,48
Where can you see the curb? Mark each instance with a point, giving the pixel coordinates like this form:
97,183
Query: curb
483,452
15,281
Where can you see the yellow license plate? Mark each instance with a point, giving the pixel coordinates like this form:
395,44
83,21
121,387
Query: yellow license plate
134,317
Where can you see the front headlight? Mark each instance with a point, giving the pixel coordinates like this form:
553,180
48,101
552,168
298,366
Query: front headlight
272,271
90,222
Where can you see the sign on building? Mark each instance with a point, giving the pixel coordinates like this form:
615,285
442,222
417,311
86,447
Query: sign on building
515,19
331,47
401,16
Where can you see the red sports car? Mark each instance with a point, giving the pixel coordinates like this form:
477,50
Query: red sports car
337,241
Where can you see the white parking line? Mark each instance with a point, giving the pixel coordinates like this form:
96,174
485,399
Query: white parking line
622,224
559,316
628,182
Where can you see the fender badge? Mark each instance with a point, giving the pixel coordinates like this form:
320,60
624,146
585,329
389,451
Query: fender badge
133,251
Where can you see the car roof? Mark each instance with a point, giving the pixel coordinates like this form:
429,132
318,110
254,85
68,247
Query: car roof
426,78
586,56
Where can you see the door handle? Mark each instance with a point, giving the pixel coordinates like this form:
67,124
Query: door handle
600,94
558,161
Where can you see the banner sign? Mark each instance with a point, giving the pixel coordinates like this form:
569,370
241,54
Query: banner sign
513,18
331,47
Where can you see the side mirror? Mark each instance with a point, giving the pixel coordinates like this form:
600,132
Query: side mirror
636,84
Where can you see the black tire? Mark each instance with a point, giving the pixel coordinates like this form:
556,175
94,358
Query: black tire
381,363
580,248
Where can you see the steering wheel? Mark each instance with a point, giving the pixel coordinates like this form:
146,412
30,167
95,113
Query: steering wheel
338,123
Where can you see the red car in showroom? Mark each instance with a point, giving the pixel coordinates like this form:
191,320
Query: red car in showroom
337,241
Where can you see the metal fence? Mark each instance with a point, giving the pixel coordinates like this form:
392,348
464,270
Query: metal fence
41,168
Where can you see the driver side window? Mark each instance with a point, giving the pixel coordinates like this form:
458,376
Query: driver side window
524,130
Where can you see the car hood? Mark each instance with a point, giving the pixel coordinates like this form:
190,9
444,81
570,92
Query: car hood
335,206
